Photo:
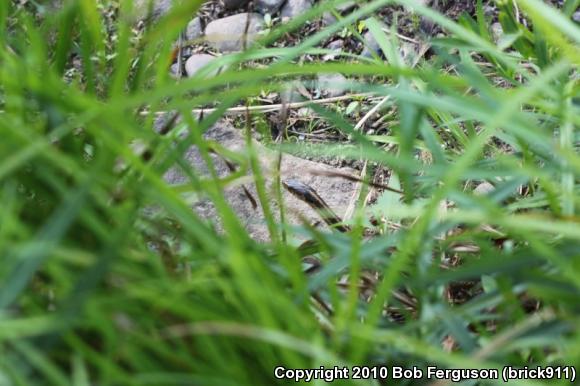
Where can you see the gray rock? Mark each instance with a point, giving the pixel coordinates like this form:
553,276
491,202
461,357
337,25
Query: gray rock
234,4
336,192
496,31
371,46
227,34
174,70
328,18
335,45
332,85
158,7
576,16
194,30
489,10
294,8
198,61
268,6
427,26
346,6
483,189
408,52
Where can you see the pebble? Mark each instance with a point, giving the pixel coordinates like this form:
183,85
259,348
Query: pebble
332,85
294,8
483,189
194,30
335,45
346,6
160,8
227,34
496,31
576,16
371,46
408,52
174,71
427,26
268,6
198,61
328,18
234,4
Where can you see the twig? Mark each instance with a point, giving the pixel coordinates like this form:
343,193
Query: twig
402,37
180,55
370,113
271,108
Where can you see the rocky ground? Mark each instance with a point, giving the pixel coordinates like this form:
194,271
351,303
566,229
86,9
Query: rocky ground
221,27
226,26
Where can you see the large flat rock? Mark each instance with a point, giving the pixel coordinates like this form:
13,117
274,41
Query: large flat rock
233,32
336,192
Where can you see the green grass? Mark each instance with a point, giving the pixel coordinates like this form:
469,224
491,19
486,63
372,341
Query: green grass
107,277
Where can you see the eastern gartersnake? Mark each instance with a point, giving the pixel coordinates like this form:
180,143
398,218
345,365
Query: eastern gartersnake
309,196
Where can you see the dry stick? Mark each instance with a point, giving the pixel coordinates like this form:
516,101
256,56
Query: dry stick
271,108
246,28
370,113
180,55
400,36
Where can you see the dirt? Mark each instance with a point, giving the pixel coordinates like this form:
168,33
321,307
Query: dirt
337,193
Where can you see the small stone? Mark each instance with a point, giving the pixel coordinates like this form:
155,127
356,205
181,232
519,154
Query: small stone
335,45
346,6
576,16
227,34
234,4
483,189
496,31
194,30
371,46
489,10
174,70
198,61
427,26
332,85
328,18
158,7
268,6
294,8
408,52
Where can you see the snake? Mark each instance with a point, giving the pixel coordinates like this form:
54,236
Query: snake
307,194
